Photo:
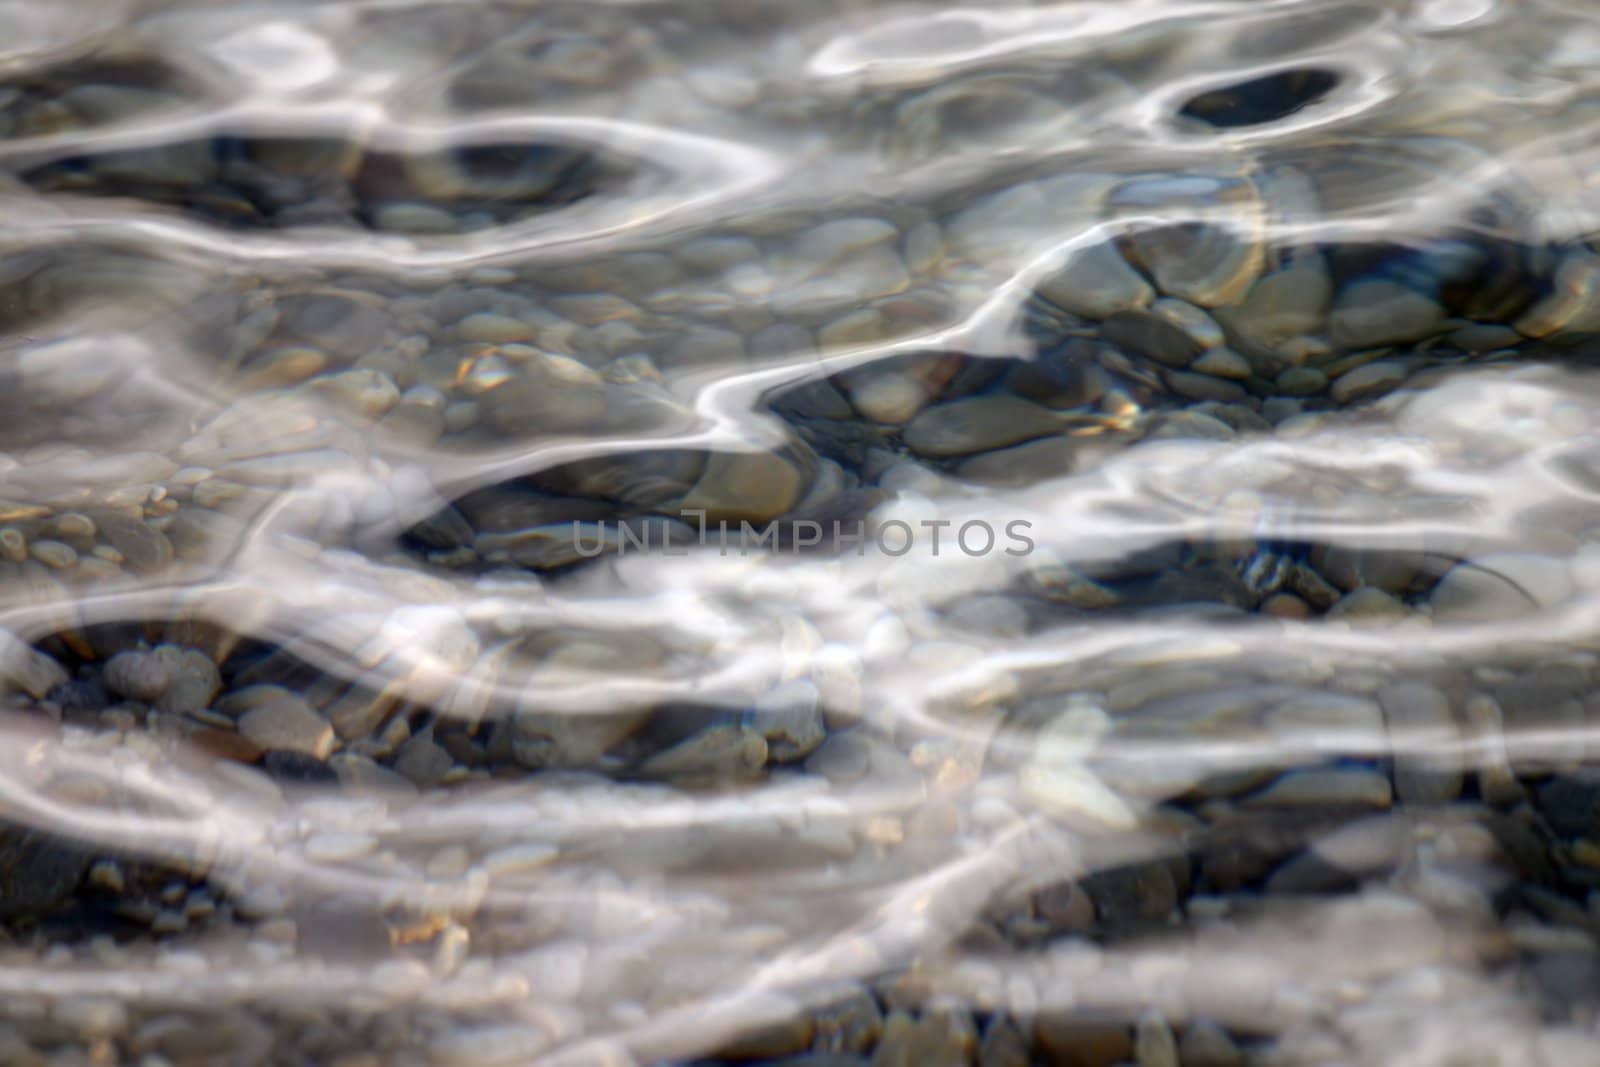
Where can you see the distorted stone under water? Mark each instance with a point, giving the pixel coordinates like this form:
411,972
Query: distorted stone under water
841,534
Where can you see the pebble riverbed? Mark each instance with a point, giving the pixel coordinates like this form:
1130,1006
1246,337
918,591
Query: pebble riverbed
833,534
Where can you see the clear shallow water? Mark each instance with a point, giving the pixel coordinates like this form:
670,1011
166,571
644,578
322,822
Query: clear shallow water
337,338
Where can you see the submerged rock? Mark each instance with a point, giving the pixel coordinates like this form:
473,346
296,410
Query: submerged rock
978,424
745,486
38,872
1376,312
1501,586
1096,282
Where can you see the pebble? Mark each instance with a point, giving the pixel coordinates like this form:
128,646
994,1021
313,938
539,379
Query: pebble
1311,586
1484,337
1192,426
1287,304
344,324
1205,1044
1429,762
1328,722
13,544
1194,248
890,397
1154,1044
193,679
1301,381
1485,730
1026,464
140,676
837,238
1067,1040
53,554
773,1041
1095,283
816,290
1574,301
414,218
1545,720
365,392
1368,605
1153,336
790,718
1196,323
745,486
1003,1044
288,365
1501,586
1222,363
1368,380
1070,791
549,394
1285,606
1203,387
715,753
1350,568
539,740
1376,312
491,328
423,762
978,424
1326,787
37,871
145,549
938,1039
288,725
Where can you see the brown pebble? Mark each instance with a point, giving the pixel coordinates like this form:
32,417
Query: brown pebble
145,548
224,744
13,544
1286,606
1003,1045
1065,907
55,554
776,1040
1074,1042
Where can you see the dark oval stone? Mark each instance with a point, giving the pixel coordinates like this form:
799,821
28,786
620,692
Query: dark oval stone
38,872
1260,100
298,768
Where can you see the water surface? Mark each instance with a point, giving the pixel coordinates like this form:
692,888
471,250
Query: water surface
839,533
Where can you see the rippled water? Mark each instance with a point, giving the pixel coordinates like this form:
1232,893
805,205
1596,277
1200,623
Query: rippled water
828,533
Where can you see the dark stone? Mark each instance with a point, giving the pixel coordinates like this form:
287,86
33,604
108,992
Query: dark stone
1260,100
298,768
849,1025
81,695
444,529
1137,895
1063,375
1571,803
38,872
1309,873
1567,982
813,400
1150,336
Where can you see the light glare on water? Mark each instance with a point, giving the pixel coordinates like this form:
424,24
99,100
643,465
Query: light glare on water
827,534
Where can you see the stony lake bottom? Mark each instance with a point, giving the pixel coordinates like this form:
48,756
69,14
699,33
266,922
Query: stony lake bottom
828,534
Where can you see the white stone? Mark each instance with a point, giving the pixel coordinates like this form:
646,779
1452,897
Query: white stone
1501,586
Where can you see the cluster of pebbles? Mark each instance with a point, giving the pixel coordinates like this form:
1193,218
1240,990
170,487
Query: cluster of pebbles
1187,811
327,740
1215,802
